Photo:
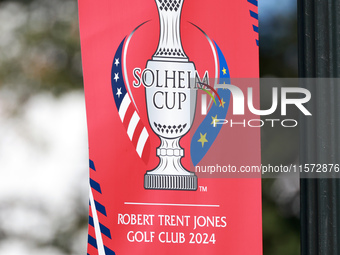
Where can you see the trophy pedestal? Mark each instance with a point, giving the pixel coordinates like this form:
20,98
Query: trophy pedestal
170,174
170,182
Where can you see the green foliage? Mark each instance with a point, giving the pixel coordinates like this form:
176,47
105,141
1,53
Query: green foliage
41,46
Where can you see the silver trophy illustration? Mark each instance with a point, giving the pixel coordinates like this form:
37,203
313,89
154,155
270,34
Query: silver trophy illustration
171,101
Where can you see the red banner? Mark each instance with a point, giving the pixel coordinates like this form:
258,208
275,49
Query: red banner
155,118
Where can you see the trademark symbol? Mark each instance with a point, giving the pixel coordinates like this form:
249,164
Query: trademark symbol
203,188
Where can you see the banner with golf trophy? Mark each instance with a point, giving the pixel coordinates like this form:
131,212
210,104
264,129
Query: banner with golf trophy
165,135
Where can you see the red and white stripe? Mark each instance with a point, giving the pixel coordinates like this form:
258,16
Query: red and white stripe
136,131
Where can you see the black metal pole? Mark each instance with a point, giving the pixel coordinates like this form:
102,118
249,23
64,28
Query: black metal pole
319,56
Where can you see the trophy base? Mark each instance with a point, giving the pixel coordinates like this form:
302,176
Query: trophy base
170,182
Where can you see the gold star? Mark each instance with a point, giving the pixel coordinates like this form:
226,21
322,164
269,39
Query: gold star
214,120
224,70
222,103
224,84
203,139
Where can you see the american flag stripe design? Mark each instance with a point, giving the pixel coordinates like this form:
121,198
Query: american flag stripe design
141,141
127,111
132,125
124,106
